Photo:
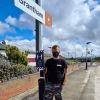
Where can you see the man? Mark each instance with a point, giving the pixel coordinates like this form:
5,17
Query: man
55,74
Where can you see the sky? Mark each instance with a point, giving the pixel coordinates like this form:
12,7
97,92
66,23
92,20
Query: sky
75,22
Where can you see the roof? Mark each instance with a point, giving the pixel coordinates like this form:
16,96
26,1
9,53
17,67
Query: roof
2,47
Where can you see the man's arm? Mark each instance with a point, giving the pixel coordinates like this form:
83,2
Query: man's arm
65,76
45,73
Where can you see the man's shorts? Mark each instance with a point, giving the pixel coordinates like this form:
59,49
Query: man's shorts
52,90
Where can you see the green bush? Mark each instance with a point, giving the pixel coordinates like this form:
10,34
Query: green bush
71,62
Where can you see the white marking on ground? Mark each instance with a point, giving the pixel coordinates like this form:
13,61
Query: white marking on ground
97,84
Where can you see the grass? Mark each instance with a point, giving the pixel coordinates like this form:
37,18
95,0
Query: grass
71,62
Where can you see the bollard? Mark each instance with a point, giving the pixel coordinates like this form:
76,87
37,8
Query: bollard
41,84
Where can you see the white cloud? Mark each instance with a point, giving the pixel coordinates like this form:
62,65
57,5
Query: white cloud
4,28
66,47
23,44
74,19
13,38
11,20
73,25
24,22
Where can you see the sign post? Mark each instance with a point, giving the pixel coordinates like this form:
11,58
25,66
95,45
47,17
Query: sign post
34,9
39,57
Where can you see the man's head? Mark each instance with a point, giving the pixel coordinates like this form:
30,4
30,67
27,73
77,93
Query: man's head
55,51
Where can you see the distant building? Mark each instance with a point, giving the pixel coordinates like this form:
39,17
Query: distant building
2,50
31,58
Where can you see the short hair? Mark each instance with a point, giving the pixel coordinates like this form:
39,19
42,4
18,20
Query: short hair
55,46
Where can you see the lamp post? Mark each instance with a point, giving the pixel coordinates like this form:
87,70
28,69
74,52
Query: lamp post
92,55
87,54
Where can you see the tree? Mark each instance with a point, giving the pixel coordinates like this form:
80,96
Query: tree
16,56
97,59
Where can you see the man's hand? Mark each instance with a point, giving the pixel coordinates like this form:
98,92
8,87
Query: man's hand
65,76
62,86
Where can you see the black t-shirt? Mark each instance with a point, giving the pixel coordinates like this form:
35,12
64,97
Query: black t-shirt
55,70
